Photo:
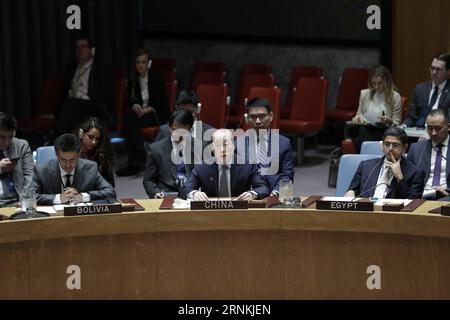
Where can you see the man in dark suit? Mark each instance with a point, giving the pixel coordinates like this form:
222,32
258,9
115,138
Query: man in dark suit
223,178
268,149
431,156
88,88
69,178
391,176
171,160
187,100
431,94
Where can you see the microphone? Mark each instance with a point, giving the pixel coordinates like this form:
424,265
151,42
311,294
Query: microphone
370,189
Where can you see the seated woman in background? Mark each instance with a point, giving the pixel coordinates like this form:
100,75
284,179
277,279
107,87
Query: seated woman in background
147,106
96,146
379,108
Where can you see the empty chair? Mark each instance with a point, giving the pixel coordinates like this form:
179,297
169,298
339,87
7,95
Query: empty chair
50,93
352,82
207,78
236,113
271,94
372,147
45,154
209,67
213,100
297,73
348,165
164,64
308,112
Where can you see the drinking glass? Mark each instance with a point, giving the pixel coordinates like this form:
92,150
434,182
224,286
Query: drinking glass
28,201
286,193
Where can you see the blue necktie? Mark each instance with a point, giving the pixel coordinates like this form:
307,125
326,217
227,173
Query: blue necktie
223,184
433,98
437,167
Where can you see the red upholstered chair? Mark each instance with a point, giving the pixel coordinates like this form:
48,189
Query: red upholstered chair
164,64
213,99
150,133
308,111
271,94
207,78
209,66
297,73
236,112
48,101
255,68
352,82
404,108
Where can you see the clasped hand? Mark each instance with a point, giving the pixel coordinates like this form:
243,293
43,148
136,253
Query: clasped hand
71,194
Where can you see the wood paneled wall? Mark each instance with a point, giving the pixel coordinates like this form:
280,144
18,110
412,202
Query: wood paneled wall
421,29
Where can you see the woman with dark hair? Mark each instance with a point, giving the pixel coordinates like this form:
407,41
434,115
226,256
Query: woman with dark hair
379,108
96,146
147,106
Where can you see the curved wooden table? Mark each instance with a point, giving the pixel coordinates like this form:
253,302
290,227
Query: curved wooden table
254,254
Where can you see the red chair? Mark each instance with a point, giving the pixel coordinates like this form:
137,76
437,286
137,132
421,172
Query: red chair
255,68
213,99
120,87
271,94
207,67
297,73
164,64
236,112
207,78
48,101
308,112
404,103
352,82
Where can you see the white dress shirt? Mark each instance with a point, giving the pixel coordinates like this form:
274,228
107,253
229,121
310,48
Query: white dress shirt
143,82
81,79
428,190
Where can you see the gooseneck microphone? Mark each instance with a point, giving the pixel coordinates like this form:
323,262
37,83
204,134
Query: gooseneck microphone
370,189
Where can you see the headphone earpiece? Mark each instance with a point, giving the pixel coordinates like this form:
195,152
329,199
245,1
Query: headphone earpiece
149,64
93,51
199,108
246,118
80,133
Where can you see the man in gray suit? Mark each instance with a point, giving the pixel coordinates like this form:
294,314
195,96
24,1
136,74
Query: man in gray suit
16,162
187,100
431,95
69,178
170,160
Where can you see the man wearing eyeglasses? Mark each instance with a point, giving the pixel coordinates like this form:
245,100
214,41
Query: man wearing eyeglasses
87,90
391,176
265,147
431,156
430,95
224,178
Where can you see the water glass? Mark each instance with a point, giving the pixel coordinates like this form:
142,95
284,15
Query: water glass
286,193
28,201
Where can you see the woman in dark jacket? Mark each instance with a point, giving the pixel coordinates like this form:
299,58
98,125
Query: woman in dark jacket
147,106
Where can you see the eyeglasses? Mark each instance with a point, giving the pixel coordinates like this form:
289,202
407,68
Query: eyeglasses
430,129
434,69
254,117
394,145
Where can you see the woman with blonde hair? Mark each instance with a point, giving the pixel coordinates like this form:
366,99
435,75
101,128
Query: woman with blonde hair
379,108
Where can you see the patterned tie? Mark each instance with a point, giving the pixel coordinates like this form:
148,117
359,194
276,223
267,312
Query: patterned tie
68,184
437,167
263,158
433,98
223,185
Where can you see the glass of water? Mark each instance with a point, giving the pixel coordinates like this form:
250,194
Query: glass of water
286,193
28,201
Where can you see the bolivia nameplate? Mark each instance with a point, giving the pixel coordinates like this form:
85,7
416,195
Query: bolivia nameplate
344,205
218,205
92,209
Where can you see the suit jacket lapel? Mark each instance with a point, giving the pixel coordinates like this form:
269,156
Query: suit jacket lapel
76,176
56,179
394,181
444,95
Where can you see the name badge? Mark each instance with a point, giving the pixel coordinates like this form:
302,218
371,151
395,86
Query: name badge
92,209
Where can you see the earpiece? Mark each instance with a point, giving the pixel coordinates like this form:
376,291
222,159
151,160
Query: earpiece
246,118
149,64
93,51
80,133
199,107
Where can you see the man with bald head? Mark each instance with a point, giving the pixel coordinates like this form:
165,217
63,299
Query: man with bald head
224,178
